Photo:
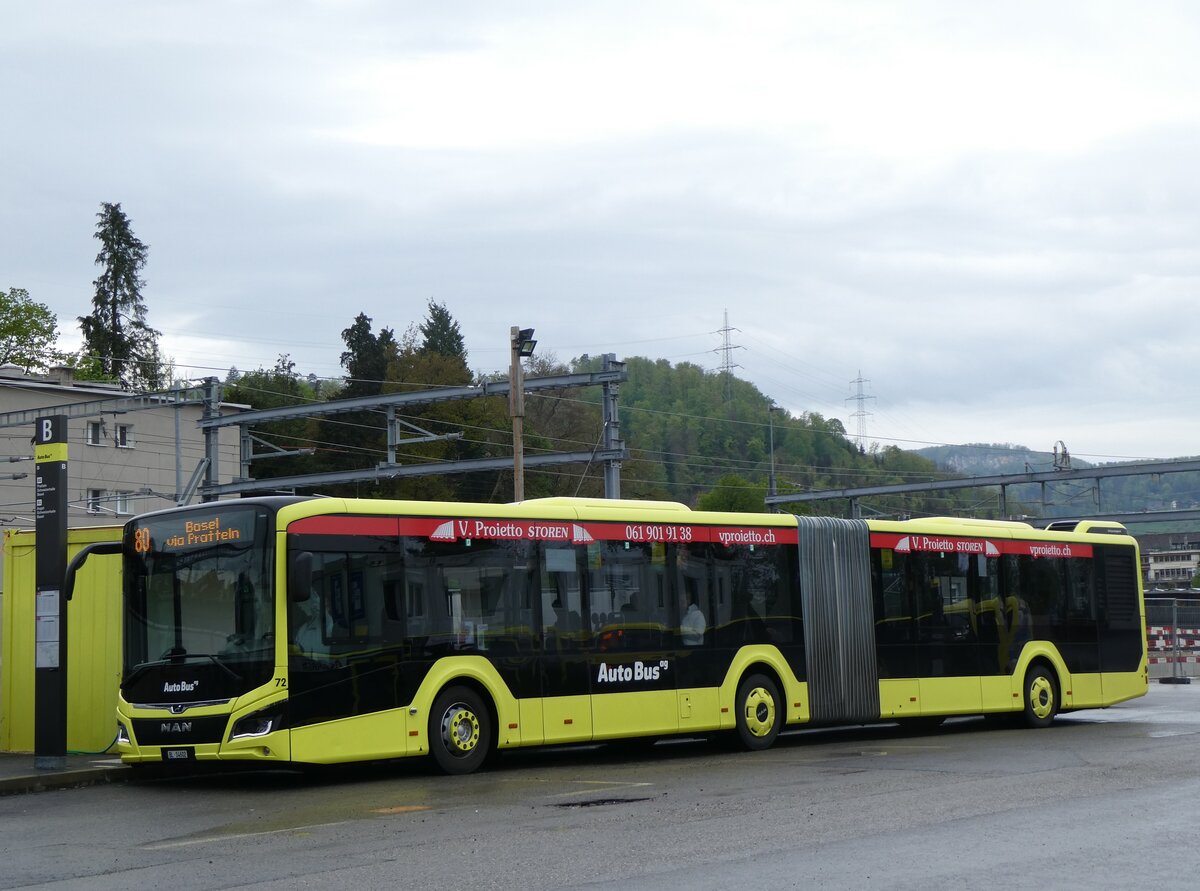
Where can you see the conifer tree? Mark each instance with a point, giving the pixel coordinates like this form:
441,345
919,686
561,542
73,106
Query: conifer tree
366,356
116,333
441,333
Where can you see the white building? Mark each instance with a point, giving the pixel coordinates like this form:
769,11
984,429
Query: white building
139,454
1169,560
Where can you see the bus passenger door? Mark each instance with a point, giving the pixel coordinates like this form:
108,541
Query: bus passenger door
947,632
703,589
895,635
633,658
566,640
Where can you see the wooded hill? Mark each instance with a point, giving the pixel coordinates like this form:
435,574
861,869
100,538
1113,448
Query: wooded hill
1167,491
695,436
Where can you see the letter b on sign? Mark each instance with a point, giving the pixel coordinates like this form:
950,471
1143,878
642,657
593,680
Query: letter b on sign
52,429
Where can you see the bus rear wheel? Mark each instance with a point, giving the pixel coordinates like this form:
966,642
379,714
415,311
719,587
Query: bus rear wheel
1041,697
759,712
461,735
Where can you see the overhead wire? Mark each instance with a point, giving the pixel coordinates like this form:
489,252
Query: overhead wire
692,463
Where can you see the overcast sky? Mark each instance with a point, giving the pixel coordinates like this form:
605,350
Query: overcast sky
988,211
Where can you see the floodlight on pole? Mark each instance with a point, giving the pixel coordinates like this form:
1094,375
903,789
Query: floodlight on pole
525,342
521,343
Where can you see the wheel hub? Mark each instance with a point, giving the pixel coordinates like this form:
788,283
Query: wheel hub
460,730
1041,697
760,712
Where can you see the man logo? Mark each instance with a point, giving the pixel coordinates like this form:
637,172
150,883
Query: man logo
175,727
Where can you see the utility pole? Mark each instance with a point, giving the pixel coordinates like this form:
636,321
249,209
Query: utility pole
771,409
522,344
212,436
612,428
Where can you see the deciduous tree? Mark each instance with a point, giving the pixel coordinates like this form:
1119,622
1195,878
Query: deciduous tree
28,331
275,388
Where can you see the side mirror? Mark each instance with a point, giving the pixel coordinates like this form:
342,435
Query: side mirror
300,576
95,549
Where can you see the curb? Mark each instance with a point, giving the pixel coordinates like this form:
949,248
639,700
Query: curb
63,779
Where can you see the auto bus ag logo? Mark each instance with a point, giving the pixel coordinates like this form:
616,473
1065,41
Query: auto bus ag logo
638,671
180,686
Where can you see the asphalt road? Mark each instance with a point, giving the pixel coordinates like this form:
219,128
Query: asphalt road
1103,799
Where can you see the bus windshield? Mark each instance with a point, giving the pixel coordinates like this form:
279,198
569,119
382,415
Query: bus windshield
199,605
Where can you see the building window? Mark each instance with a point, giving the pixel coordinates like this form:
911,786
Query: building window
121,502
124,436
94,498
95,433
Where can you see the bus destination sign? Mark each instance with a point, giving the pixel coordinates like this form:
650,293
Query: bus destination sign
194,531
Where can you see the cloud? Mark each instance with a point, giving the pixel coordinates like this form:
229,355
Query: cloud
990,214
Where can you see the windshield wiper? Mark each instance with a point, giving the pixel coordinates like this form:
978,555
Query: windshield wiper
173,658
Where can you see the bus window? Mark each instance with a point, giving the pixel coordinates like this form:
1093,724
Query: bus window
894,635
693,581
947,624
1081,595
1039,599
756,599
348,608
627,587
988,613
741,604
561,596
1048,600
762,604
1079,648
316,623
1014,617
466,596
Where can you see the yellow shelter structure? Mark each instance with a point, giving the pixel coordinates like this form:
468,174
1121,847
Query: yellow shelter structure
93,645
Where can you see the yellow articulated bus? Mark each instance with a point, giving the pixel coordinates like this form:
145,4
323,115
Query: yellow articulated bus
326,630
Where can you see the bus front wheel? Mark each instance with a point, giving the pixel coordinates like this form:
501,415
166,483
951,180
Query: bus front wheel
759,712
460,730
1041,697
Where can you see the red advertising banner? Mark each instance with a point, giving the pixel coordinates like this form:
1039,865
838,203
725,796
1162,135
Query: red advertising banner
388,527
988,547
681,533
442,529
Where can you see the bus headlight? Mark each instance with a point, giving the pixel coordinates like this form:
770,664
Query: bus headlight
258,724
122,734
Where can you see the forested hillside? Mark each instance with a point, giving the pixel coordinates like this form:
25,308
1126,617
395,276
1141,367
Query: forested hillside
695,436
1167,491
704,438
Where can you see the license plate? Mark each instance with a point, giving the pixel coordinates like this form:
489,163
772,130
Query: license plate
179,754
